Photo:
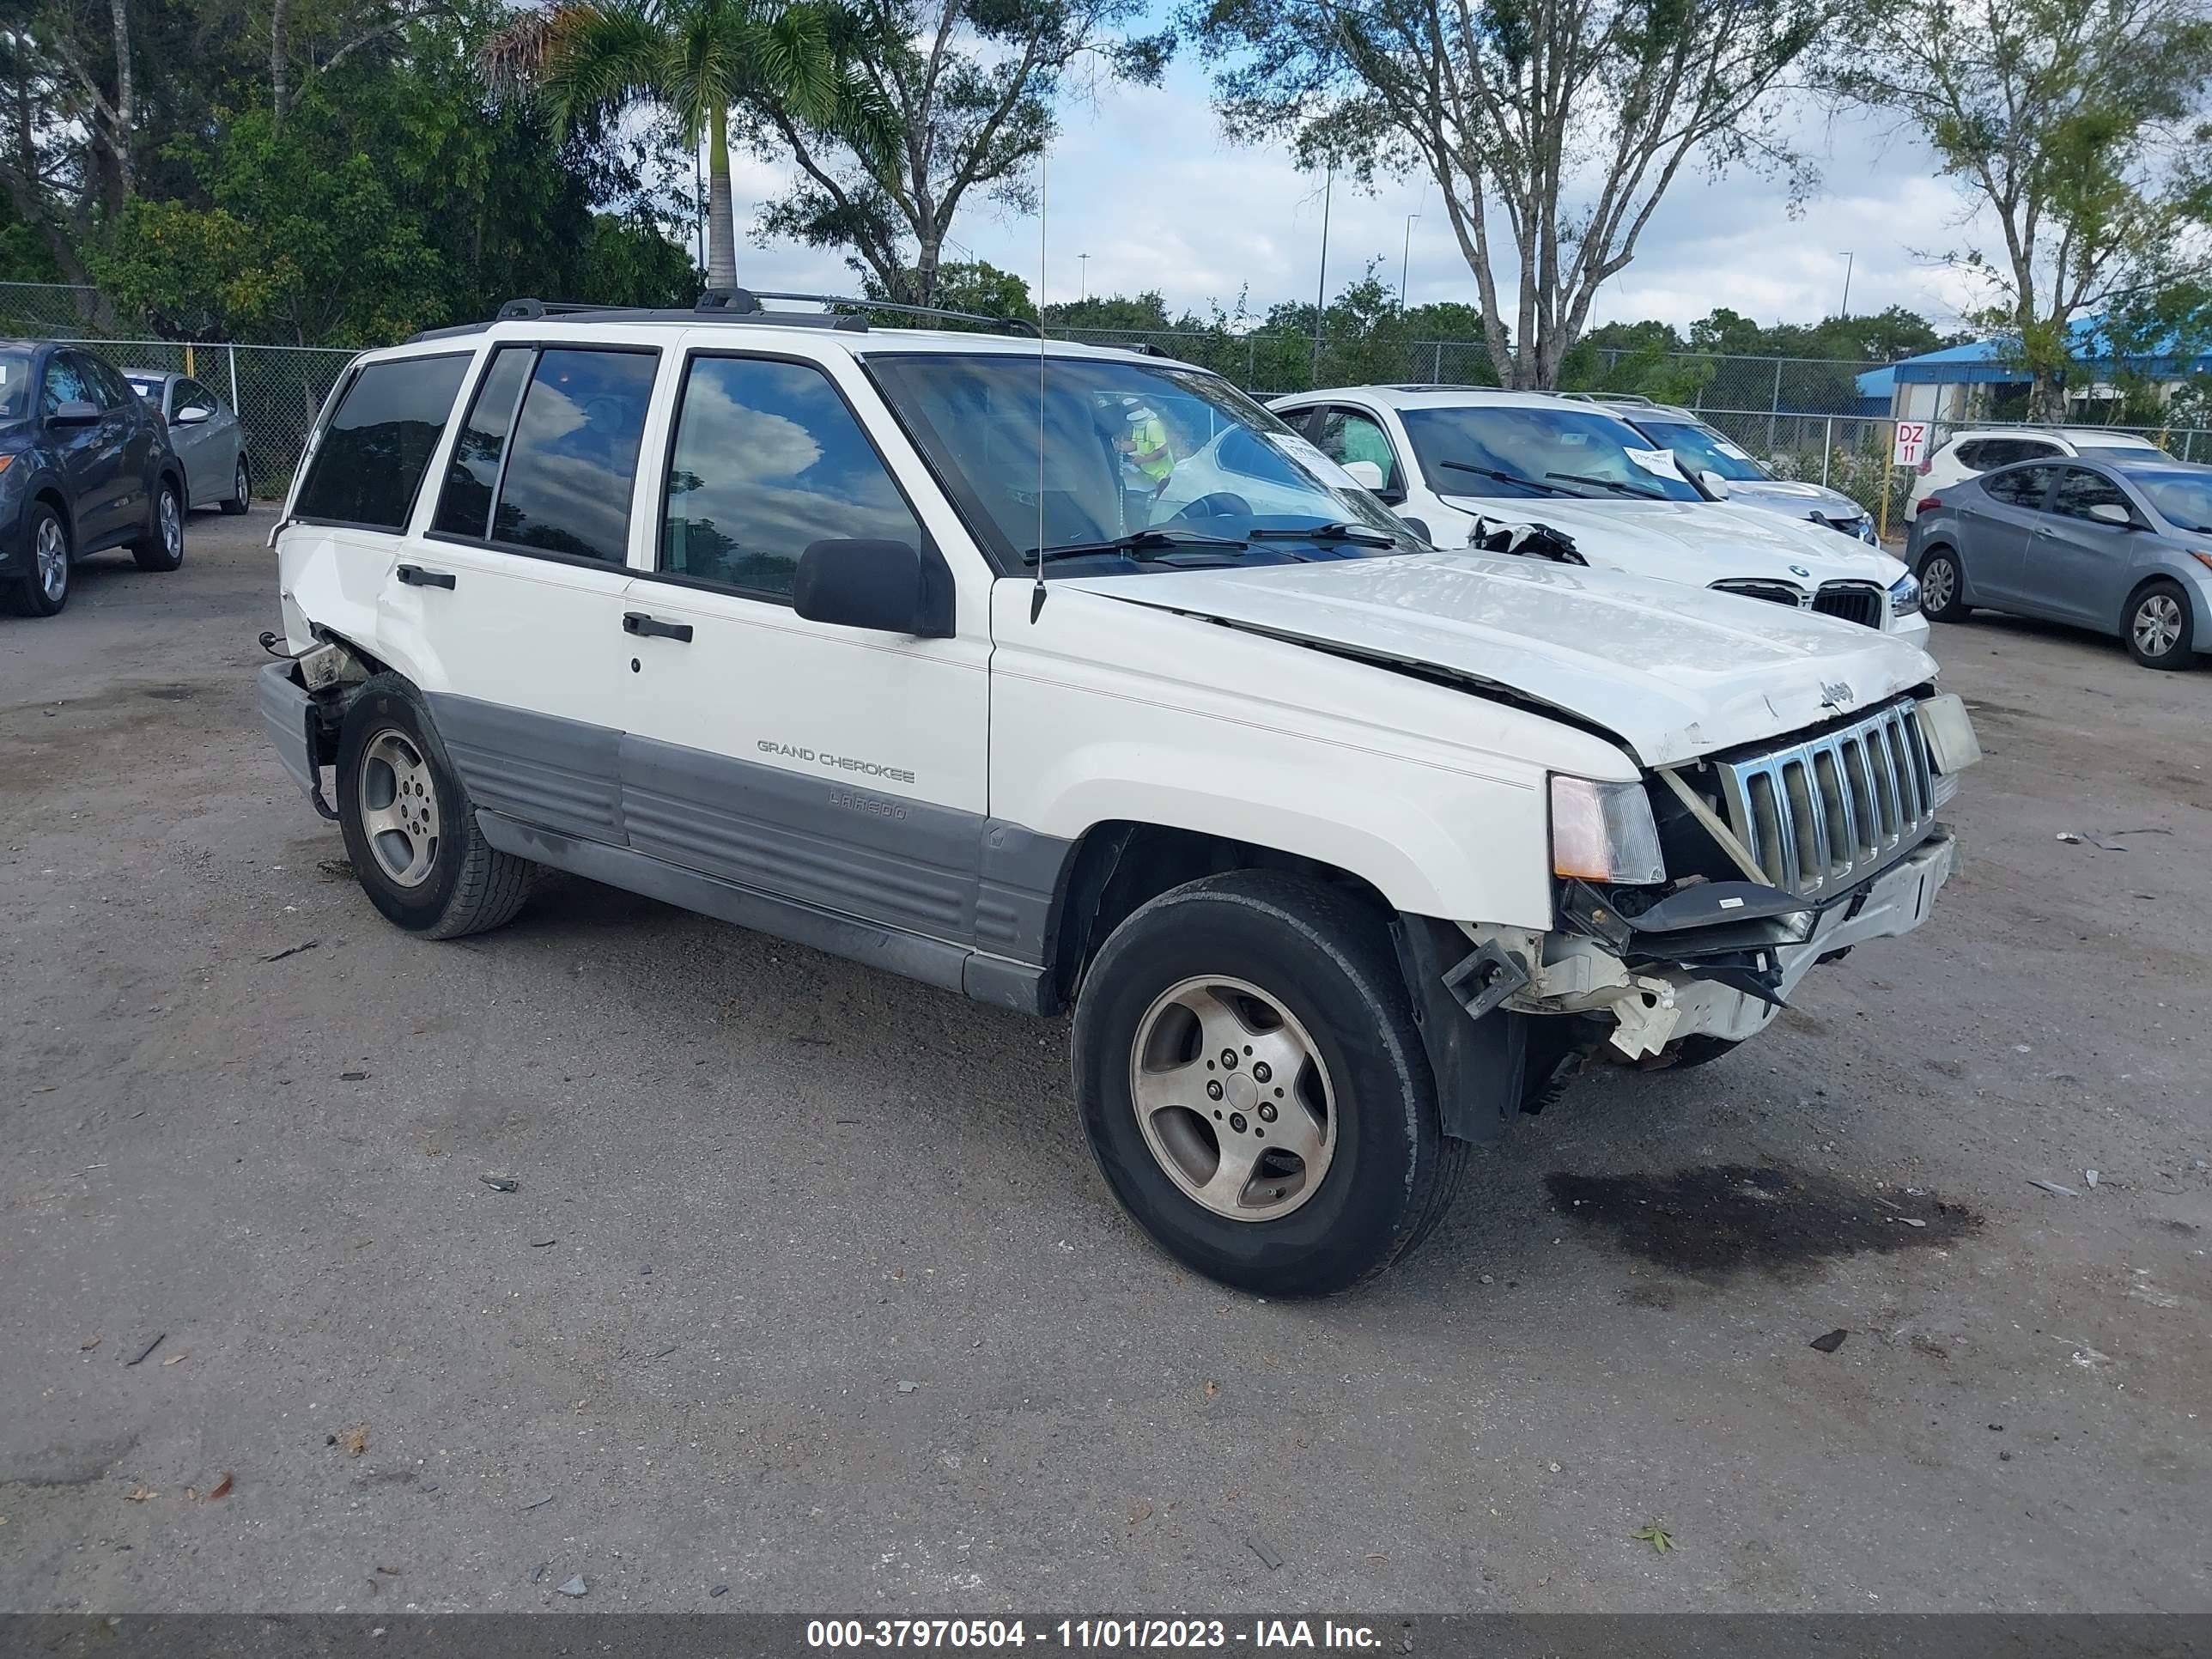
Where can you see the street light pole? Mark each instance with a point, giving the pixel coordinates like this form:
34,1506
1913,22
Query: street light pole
1083,267
1405,262
1320,283
1847,282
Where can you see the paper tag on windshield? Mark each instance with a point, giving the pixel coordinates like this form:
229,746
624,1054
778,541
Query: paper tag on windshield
1307,455
1732,452
1660,461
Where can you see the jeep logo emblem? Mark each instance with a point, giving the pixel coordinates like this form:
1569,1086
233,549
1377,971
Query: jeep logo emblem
1834,693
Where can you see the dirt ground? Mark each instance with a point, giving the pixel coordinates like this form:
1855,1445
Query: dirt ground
809,1289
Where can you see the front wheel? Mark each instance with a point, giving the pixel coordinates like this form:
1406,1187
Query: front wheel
162,547
1254,1087
1940,586
2158,632
42,589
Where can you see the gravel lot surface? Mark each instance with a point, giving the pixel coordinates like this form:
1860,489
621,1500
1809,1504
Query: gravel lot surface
809,1288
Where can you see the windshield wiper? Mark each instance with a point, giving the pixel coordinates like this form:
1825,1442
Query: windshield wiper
1610,483
1136,544
1505,478
1359,535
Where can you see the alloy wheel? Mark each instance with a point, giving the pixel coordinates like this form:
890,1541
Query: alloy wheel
2157,625
52,554
1233,1098
399,816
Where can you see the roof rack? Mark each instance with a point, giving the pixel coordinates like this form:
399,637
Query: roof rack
735,304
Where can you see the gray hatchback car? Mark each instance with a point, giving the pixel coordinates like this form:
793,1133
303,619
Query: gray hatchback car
207,436
2121,545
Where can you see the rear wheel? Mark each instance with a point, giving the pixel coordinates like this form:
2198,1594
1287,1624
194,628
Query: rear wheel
42,589
409,829
241,491
2158,627
1254,1087
1940,586
162,547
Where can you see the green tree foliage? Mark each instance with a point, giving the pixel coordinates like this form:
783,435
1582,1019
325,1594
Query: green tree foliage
2077,126
969,87
325,174
1551,132
591,60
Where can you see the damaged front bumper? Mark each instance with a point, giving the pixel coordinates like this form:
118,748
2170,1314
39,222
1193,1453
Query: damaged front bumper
1717,959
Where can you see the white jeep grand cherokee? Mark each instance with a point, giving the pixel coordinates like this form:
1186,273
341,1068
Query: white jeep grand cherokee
1344,850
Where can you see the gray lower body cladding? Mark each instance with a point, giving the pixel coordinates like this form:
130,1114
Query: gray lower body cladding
950,897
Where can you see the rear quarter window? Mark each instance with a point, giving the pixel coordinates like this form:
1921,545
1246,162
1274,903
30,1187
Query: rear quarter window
372,454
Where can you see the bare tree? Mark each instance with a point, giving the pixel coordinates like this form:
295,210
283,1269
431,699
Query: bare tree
969,91
2077,126
1563,121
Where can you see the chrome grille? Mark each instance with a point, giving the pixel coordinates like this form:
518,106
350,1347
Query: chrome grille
1820,814
1858,602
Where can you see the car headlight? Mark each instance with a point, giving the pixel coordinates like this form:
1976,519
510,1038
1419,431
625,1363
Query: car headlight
1604,832
1905,596
1866,533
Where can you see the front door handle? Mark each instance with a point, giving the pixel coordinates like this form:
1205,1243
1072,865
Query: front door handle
414,576
637,621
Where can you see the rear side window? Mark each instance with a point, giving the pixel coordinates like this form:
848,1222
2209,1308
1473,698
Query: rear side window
2023,486
768,460
370,458
1972,455
557,470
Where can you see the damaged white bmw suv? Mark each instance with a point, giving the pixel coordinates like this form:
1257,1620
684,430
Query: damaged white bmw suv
1344,852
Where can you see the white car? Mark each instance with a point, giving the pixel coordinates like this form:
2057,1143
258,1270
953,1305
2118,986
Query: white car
1984,449
1343,851
1447,458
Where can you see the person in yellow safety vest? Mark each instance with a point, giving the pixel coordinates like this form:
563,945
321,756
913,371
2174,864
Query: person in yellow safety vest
1146,445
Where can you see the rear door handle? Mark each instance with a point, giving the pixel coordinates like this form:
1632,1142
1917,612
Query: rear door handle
414,576
637,621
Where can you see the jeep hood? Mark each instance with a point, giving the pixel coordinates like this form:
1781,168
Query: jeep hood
1700,542
1673,671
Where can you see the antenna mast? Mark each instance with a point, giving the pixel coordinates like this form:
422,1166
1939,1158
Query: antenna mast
1036,593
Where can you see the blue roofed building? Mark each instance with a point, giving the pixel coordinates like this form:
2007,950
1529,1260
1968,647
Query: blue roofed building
1974,381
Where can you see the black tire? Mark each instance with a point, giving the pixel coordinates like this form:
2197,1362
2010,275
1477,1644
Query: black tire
242,487
2160,611
1326,958
28,594
1951,585
469,886
1701,1049
162,546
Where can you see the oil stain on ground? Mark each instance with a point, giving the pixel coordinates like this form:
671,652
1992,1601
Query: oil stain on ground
1721,1220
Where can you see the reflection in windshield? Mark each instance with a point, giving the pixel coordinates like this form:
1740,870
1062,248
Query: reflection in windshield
1582,451
15,385
1126,448
2182,498
1698,448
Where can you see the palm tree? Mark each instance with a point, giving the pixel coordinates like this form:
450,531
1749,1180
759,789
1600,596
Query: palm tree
695,59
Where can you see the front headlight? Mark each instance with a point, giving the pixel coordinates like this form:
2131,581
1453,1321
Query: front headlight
1905,596
1866,533
1604,832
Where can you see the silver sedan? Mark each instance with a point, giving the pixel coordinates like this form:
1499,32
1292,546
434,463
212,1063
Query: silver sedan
2110,541
206,435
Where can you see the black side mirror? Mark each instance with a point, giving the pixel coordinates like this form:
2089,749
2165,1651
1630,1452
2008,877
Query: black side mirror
892,587
1419,526
76,412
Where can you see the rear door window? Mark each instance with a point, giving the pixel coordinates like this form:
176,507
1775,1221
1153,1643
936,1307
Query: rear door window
2021,486
558,468
369,458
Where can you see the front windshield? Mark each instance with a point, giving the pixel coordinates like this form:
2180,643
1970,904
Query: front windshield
1144,466
1698,448
2182,498
1518,449
15,385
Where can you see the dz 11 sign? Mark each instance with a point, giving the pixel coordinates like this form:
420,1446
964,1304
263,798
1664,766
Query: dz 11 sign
1911,444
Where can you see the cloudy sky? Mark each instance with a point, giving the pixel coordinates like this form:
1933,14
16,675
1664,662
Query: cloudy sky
1142,182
